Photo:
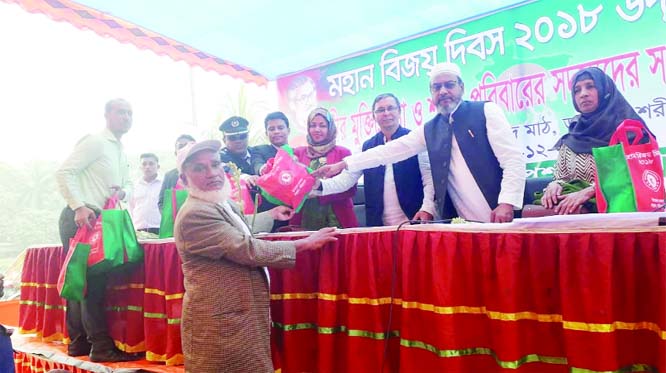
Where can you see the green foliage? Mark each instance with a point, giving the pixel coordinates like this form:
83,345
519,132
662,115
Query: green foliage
30,210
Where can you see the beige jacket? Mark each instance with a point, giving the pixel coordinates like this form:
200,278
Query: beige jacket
225,319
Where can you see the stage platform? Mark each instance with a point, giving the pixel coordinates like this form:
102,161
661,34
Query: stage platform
32,356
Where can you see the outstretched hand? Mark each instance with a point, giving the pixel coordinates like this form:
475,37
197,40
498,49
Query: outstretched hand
329,170
316,239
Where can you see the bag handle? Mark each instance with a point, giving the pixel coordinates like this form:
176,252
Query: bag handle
630,126
111,202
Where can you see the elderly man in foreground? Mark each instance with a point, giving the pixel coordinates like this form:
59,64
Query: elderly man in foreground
225,319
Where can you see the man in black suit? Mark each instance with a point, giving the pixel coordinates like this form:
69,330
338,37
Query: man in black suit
277,131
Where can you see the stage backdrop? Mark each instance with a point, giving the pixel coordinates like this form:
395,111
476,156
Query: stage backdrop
522,58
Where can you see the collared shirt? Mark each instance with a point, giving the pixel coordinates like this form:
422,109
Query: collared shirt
392,214
464,192
97,163
143,203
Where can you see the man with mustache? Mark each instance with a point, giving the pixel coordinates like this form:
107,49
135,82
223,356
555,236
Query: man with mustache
277,131
225,317
396,192
476,163
93,172
276,125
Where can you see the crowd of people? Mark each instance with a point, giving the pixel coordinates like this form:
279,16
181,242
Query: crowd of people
465,162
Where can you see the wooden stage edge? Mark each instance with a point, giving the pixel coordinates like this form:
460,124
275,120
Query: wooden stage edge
30,351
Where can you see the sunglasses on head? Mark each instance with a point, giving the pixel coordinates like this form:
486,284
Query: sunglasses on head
240,136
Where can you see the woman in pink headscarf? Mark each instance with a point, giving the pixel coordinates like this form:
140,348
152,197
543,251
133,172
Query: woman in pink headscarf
335,210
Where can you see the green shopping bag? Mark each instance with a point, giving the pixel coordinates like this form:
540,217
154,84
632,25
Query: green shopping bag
119,237
172,197
630,177
72,278
113,241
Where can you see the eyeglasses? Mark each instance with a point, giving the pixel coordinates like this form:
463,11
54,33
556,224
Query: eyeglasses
390,109
241,136
436,87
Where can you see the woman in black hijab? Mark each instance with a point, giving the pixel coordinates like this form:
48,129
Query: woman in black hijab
602,108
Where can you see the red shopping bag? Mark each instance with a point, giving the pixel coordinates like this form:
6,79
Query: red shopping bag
630,175
286,181
244,197
98,256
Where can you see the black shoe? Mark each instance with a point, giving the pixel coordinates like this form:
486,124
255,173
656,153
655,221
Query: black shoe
78,349
112,355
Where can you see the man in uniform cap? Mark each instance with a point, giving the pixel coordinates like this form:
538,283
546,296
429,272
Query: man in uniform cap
477,166
236,150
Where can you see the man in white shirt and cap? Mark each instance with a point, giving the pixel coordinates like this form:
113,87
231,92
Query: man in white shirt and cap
477,167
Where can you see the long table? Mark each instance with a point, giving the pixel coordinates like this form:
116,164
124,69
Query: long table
143,302
426,298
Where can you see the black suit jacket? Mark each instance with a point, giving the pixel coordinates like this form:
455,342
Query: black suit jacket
260,155
170,180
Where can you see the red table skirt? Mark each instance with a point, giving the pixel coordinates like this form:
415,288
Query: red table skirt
472,302
417,301
141,301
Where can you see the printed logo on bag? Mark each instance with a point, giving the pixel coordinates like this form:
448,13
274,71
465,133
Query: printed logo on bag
286,178
651,180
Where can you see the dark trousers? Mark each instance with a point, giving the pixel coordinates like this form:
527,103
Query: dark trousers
6,352
86,320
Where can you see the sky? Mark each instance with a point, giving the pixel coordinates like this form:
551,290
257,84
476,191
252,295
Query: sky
279,37
56,78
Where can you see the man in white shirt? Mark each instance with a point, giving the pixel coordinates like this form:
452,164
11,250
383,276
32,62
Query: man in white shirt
396,192
477,166
143,202
93,172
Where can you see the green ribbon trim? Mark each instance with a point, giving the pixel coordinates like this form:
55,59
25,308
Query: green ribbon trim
515,364
147,315
42,305
124,308
154,315
334,330
531,358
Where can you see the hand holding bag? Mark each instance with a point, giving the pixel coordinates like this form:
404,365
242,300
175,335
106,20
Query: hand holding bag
286,181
